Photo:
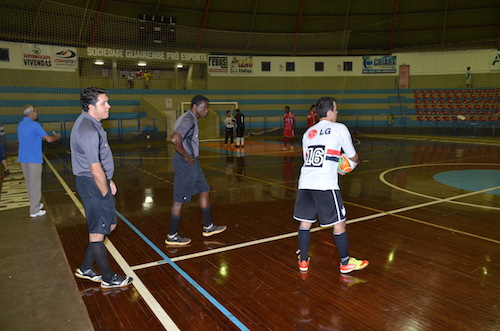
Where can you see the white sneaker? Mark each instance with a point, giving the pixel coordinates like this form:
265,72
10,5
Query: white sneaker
40,213
284,149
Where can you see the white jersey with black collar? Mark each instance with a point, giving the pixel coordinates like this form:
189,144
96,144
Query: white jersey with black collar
322,145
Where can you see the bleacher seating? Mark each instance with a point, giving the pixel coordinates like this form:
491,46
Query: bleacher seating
475,103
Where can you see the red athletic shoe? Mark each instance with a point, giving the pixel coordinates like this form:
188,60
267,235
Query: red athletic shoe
304,265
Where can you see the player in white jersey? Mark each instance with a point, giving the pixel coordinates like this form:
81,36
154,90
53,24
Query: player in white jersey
319,191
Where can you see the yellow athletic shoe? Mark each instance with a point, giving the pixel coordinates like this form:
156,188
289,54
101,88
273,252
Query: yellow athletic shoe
353,264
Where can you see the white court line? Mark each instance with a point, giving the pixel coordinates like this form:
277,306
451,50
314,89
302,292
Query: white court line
355,220
383,180
153,304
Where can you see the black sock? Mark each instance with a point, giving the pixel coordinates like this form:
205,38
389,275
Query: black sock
304,239
88,259
207,216
175,220
100,254
342,243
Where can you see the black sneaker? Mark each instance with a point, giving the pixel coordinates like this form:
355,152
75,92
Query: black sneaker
117,281
89,274
177,240
213,229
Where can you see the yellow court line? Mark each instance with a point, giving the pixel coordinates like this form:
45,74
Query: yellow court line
148,298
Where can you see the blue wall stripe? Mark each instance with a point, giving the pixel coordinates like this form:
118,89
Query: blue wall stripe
190,280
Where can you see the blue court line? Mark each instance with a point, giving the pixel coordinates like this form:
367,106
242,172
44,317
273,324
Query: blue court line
197,286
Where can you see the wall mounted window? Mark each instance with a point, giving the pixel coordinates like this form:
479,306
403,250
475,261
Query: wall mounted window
319,66
290,66
266,66
347,66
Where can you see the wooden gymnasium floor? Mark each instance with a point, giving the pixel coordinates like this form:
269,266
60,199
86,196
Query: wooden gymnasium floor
424,212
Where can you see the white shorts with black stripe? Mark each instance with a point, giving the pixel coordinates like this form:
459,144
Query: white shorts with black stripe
328,206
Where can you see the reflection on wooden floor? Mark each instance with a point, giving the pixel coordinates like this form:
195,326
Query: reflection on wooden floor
434,249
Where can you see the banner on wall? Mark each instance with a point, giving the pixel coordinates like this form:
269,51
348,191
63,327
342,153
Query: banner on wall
230,65
46,57
379,64
495,61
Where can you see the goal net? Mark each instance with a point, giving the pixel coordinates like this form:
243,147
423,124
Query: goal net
212,127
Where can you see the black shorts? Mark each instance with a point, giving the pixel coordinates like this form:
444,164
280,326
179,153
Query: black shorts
188,179
328,206
99,210
240,131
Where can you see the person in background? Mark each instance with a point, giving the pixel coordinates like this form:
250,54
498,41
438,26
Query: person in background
312,117
468,77
30,134
3,152
240,128
229,123
288,125
130,79
147,79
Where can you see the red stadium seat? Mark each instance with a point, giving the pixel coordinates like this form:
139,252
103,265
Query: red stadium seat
419,118
482,118
446,118
416,92
418,112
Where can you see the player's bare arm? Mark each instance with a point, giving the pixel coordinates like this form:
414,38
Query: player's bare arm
176,140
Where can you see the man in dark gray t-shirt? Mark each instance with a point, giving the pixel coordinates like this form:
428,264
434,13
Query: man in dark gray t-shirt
92,163
188,175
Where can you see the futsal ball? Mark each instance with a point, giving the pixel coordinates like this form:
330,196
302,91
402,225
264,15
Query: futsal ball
345,165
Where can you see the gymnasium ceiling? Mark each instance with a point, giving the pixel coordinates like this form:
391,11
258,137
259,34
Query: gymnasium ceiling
386,25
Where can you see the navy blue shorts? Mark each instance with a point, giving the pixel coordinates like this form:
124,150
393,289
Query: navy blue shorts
188,179
328,206
99,210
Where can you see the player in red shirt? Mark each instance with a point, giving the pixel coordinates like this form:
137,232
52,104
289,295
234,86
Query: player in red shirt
312,117
288,125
